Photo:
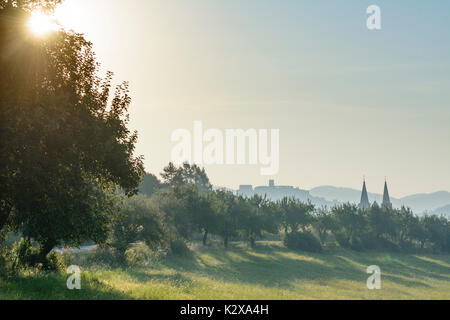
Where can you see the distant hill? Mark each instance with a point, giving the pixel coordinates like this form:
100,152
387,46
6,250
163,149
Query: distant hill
342,195
427,201
445,210
276,193
419,203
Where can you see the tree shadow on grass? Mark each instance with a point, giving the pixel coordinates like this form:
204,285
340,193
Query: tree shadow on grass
266,266
276,266
439,265
401,268
175,279
53,286
273,266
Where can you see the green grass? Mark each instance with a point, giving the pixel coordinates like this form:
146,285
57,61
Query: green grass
267,272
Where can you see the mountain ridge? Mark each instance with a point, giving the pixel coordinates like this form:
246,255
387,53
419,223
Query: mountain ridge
419,203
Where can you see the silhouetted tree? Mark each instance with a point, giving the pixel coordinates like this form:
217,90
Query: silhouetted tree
186,174
323,223
437,229
381,221
295,214
138,220
228,215
349,223
64,142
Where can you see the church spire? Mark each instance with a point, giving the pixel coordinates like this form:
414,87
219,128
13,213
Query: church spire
386,198
364,204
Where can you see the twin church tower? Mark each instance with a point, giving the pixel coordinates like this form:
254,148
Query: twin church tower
365,204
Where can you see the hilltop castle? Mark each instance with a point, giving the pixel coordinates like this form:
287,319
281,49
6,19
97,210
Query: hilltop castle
274,192
365,204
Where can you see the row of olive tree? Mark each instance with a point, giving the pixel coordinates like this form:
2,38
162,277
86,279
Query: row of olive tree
383,227
184,205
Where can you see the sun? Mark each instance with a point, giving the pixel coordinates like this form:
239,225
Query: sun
40,23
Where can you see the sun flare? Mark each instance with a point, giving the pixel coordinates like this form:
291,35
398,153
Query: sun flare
41,23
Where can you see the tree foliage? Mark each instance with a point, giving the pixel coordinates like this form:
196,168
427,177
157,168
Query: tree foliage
139,220
64,142
186,174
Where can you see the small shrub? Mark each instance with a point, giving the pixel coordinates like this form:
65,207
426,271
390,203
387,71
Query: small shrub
178,247
388,245
342,240
54,262
305,241
6,263
370,242
356,244
408,246
106,256
141,255
25,255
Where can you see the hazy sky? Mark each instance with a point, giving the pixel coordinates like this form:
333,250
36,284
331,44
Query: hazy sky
348,101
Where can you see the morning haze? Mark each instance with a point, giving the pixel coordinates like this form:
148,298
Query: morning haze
348,101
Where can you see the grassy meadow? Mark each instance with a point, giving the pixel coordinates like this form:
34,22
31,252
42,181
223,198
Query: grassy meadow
268,272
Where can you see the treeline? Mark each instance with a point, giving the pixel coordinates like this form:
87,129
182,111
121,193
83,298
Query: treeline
184,207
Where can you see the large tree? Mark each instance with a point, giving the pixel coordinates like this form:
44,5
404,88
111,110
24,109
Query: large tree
186,174
64,141
140,220
350,222
257,216
295,214
228,215
323,223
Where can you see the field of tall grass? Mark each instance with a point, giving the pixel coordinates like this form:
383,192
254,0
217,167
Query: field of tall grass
268,271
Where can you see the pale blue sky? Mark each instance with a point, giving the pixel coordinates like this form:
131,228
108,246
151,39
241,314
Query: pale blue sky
348,101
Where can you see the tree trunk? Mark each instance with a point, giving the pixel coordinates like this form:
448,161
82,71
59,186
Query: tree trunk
4,214
205,237
225,242
2,221
252,242
322,240
46,247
